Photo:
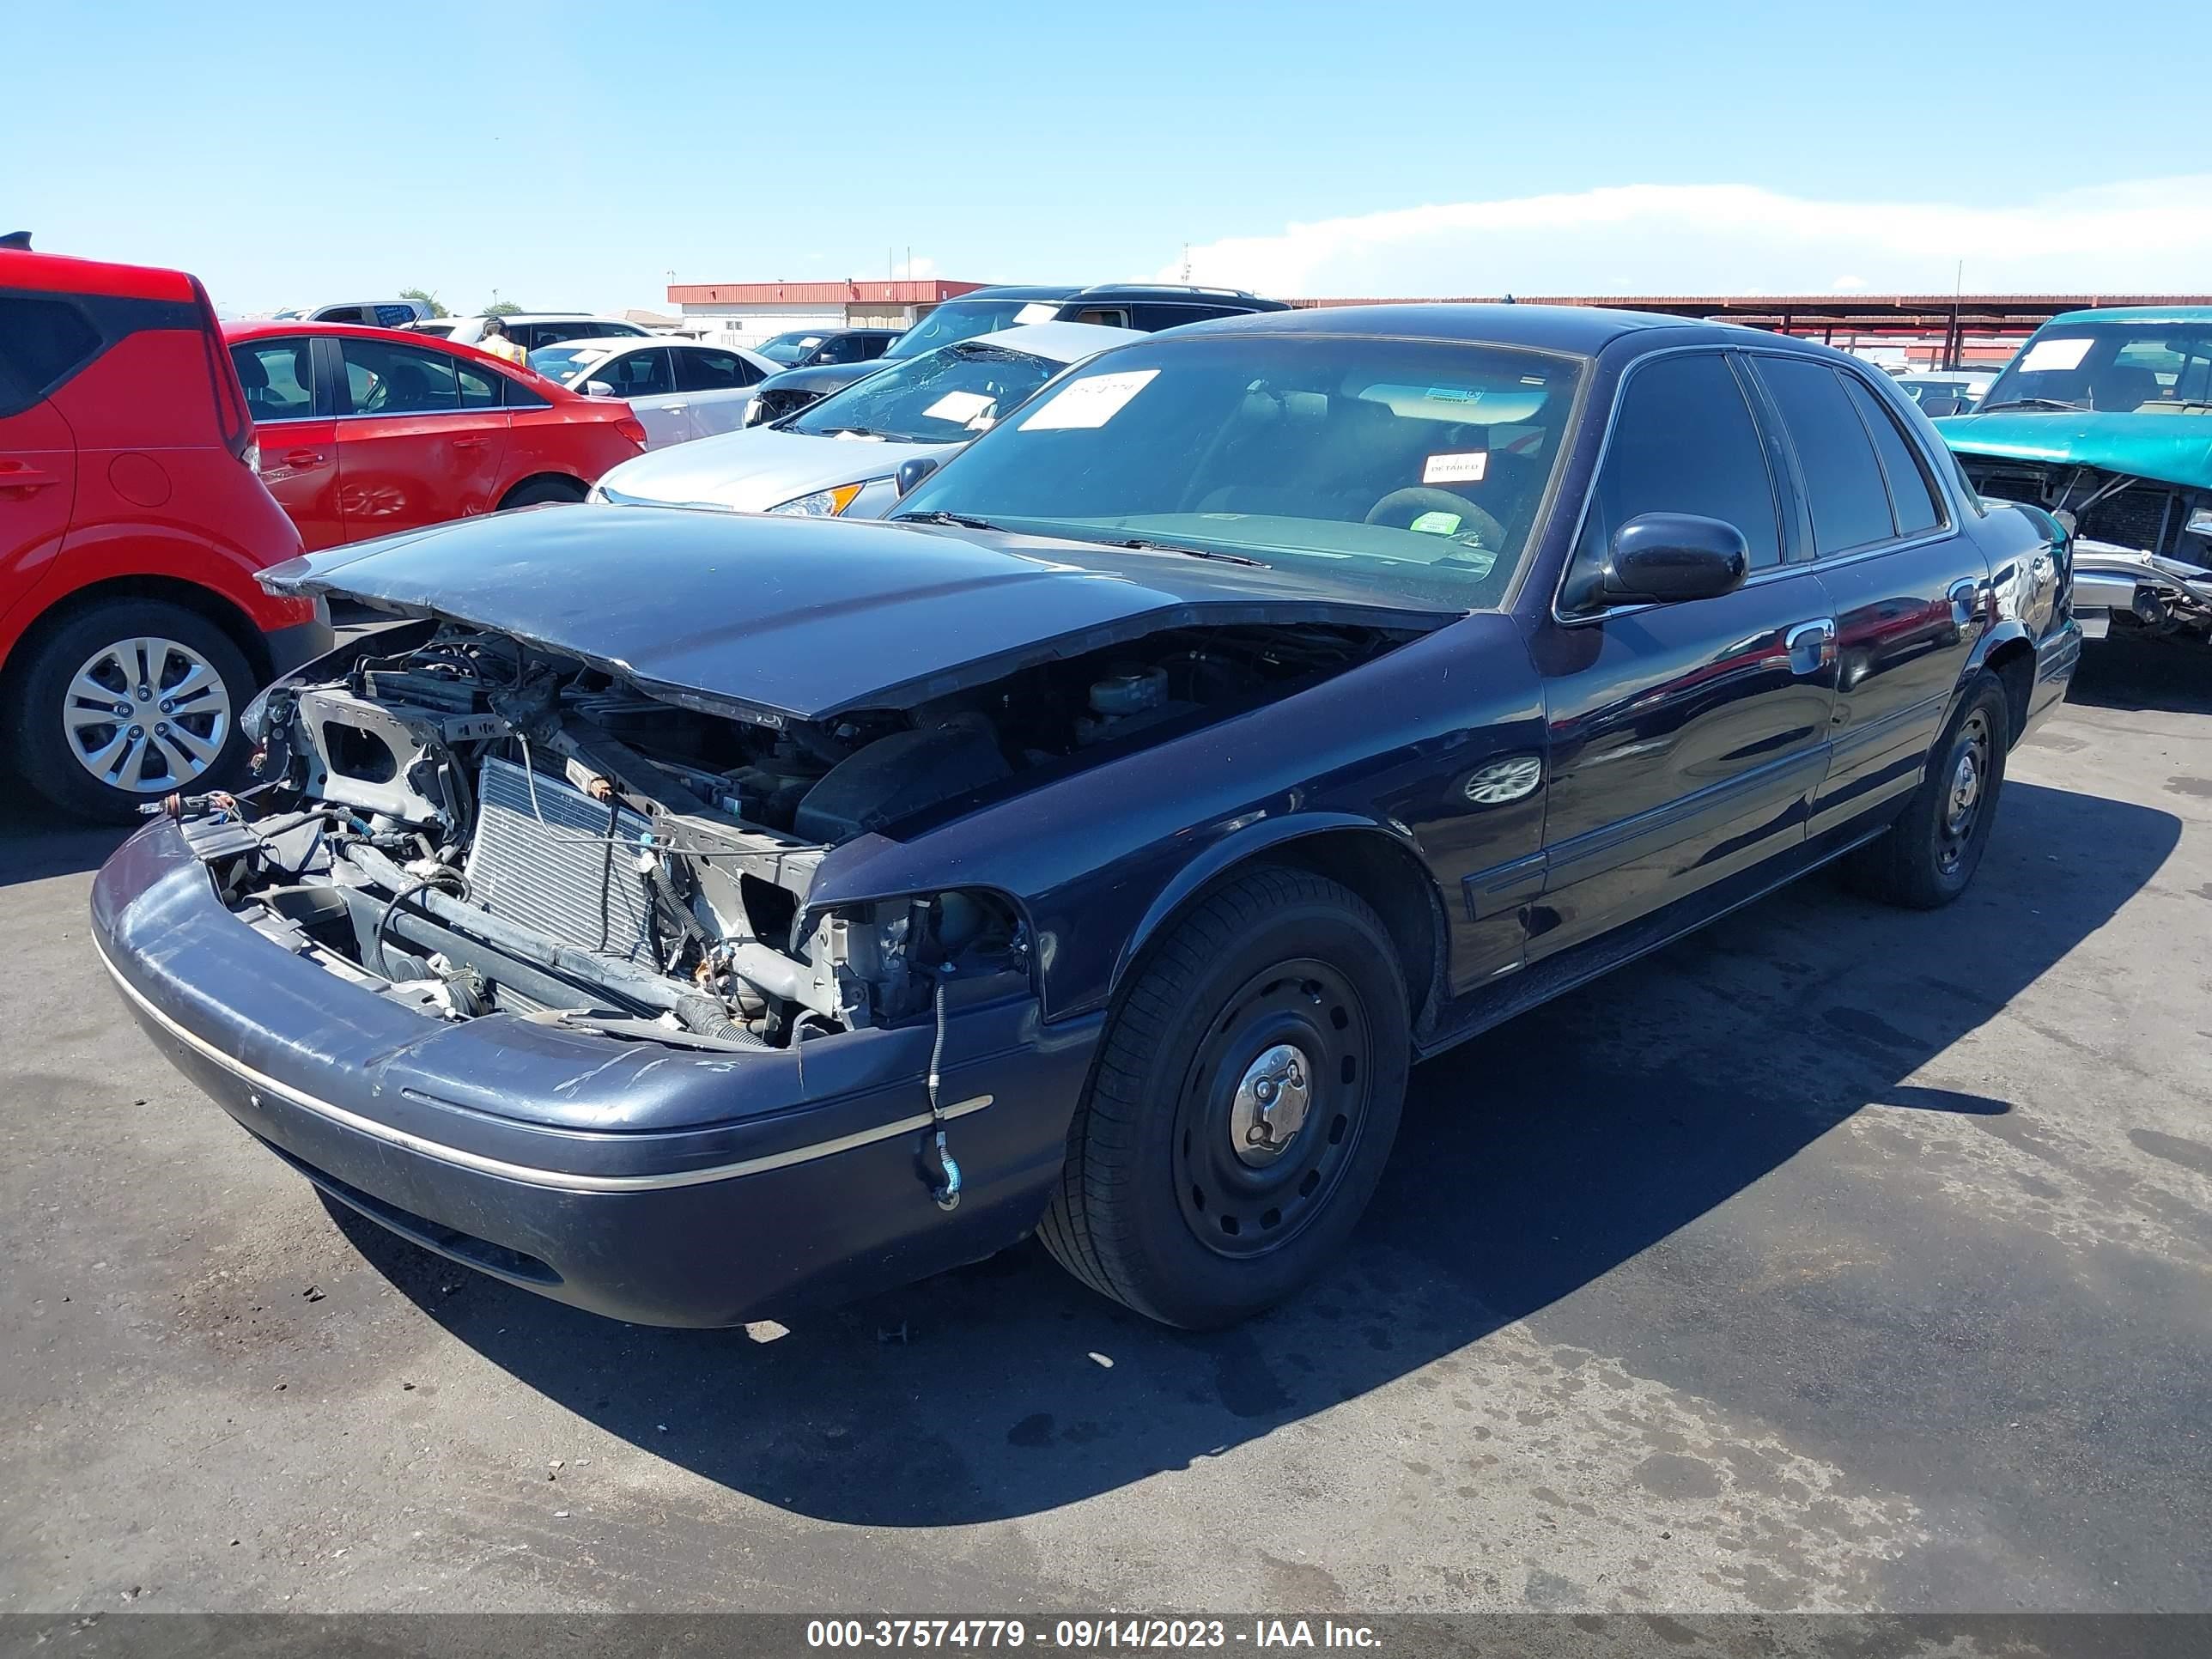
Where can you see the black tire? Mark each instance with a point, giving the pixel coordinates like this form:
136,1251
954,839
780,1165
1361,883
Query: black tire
191,748
1156,1206
537,491
1927,857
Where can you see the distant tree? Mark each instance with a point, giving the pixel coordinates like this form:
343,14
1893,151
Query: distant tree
501,308
426,298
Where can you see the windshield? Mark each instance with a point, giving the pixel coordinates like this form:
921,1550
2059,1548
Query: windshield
1417,467
567,363
964,319
789,348
945,397
2150,368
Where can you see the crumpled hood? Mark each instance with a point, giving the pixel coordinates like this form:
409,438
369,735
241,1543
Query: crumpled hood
771,619
2174,449
754,470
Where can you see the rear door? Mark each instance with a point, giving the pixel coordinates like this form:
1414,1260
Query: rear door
717,384
409,453
1686,739
297,433
42,341
1909,589
646,381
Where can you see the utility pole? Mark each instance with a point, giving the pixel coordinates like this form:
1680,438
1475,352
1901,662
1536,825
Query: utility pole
1186,262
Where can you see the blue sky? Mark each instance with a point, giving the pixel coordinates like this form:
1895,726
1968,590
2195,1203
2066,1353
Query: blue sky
573,155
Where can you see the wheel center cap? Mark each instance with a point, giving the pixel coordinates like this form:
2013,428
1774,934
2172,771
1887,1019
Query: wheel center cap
1272,1100
1965,785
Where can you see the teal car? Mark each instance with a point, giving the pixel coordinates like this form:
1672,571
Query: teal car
2105,418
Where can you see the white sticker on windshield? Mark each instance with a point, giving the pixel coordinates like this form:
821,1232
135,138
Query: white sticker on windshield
961,407
1465,467
1036,311
2054,354
1088,403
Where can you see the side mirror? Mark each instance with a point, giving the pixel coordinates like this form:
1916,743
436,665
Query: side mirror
912,471
598,389
1935,408
1660,558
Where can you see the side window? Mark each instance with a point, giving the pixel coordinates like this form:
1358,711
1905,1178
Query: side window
397,379
1850,507
1911,497
637,373
518,396
1153,318
480,386
42,343
712,371
843,349
1108,316
1684,442
278,377
345,314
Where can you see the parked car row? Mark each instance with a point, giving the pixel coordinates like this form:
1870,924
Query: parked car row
1088,846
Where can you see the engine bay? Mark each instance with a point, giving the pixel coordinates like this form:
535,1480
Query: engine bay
469,824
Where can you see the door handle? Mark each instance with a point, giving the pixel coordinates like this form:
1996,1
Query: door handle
24,478
468,443
304,457
1811,645
1966,598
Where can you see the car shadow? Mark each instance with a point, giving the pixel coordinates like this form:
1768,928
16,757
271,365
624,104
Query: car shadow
2161,676
1533,1161
38,841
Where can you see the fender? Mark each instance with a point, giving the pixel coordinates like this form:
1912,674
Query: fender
112,551
2003,634
1245,843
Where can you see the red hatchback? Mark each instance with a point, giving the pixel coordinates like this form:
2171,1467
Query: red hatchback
132,522
367,431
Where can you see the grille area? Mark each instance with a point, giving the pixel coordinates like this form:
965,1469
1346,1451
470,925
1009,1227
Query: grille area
526,873
2143,515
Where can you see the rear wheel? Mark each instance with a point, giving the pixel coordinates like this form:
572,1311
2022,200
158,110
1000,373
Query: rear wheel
535,492
1246,1096
1927,857
130,700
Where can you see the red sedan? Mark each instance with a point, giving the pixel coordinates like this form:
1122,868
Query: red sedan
366,431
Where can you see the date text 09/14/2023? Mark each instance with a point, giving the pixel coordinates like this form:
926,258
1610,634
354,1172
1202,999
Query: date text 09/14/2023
1106,1635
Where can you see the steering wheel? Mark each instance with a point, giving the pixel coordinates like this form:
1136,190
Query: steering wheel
1420,498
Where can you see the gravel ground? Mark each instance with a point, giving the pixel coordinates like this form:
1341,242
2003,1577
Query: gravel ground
1840,1258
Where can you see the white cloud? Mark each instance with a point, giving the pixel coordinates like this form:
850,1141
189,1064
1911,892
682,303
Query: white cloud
2147,236
922,268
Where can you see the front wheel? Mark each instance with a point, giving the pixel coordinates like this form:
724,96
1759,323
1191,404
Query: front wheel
1246,1095
537,492
1926,859
130,700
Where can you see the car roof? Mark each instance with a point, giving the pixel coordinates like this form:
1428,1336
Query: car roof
1018,291
1169,292
62,273
1064,342
2134,314
1584,329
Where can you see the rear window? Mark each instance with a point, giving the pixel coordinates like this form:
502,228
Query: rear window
42,342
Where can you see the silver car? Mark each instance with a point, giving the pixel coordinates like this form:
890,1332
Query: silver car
841,456
679,389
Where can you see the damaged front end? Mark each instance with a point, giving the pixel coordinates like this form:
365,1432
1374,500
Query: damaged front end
467,824
2143,547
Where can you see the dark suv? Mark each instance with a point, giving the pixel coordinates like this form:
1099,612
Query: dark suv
1148,307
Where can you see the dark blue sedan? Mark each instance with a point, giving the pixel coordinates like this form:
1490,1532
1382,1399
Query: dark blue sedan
691,915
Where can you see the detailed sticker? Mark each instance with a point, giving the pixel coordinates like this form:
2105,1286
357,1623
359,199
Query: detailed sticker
2054,354
1466,467
962,407
1090,403
1035,311
1435,523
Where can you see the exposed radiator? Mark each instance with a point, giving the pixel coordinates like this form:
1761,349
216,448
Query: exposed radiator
525,872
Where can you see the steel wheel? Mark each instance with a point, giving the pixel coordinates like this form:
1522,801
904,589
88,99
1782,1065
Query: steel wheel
147,715
1965,791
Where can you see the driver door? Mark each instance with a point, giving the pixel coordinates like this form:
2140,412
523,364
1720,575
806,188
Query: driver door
412,450
1686,740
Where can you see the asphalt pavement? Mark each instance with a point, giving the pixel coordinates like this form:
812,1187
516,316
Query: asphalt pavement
1839,1258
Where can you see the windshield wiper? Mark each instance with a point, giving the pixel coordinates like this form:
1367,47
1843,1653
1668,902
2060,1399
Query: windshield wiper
2028,402
962,520
1140,545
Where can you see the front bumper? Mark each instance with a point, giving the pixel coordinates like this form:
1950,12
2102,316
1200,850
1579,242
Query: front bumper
655,1184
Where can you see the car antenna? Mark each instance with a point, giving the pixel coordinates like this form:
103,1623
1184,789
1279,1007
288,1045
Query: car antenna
16,241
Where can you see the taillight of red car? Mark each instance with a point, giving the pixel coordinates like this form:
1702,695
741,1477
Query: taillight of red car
231,412
632,428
